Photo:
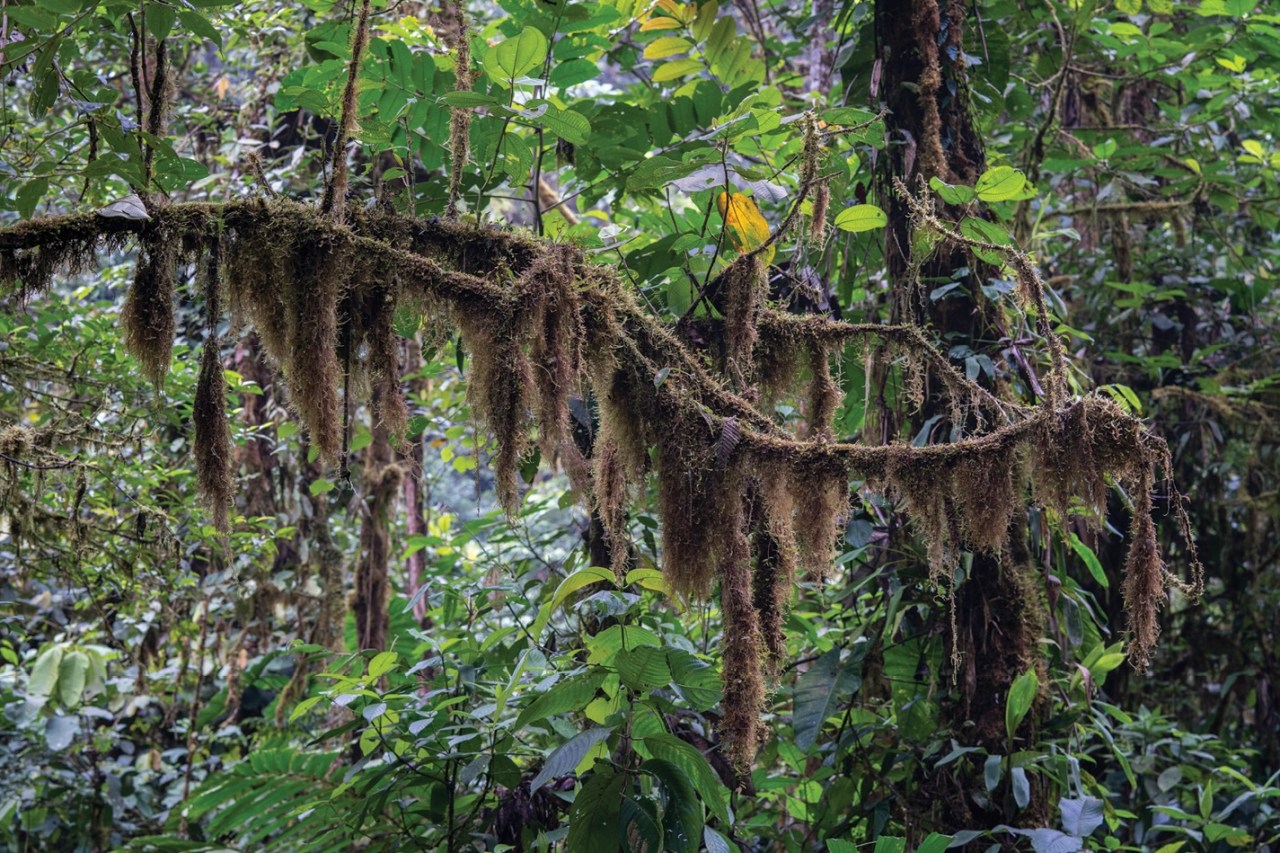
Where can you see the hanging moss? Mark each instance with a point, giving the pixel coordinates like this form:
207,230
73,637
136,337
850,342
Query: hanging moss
498,388
212,437
539,324
147,313
742,655
548,291
744,283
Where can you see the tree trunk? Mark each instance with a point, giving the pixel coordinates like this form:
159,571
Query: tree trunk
998,612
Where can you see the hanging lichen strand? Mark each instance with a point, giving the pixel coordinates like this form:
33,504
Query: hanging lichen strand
742,500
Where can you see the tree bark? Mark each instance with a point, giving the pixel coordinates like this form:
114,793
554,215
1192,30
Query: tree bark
998,613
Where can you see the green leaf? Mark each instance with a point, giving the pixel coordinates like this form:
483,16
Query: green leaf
986,232
642,822
515,57
572,694
819,691
200,25
568,586
689,759
570,126
951,194
72,676
935,842
644,668
667,46
59,731
595,821
1085,553
682,813
1003,183
44,673
861,217
320,486
382,663
1021,696
160,19
468,98
567,756
888,844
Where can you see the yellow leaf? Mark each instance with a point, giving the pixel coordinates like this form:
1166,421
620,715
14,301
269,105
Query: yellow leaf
667,46
675,69
747,226
670,6
659,24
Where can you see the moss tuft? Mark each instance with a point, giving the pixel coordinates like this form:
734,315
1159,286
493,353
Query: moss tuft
147,313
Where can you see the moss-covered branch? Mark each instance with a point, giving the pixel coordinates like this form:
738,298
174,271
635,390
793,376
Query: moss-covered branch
542,324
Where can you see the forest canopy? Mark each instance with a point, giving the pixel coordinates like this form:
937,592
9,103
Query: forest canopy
591,426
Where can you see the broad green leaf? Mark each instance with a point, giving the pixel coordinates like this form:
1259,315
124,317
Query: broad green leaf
951,194
72,676
1022,694
1086,554
160,19
695,766
644,668
44,673
595,821
516,56
819,692
572,694
568,125
382,663
568,755
1003,183
861,217
568,586
935,842
682,813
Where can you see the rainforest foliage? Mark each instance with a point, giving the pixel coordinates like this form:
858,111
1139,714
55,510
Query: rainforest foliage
553,424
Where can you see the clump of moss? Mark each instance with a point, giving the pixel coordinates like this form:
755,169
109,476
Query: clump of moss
695,508
212,437
818,222
1144,580
775,550
556,350
498,388
147,313
744,284
459,117
820,485
742,674
209,415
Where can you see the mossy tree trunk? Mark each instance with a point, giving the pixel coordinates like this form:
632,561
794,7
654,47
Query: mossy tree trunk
998,612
